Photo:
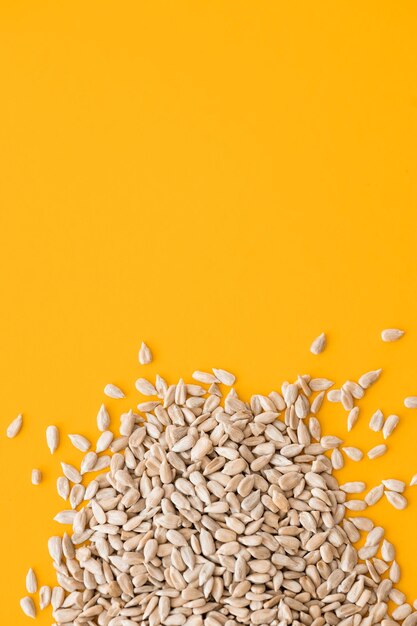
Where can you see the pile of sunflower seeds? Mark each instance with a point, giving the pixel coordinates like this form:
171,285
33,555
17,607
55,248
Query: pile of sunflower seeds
215,511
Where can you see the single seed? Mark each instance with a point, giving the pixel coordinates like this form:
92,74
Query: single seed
391,334
318,344
36,477
391,423
103,419
28,606
52,438
80,442
352,418
377,451
31,581
14,427
369,378
224,377
374,495
396,499
394,485
353,453
112,391
145,354
411,402
377,421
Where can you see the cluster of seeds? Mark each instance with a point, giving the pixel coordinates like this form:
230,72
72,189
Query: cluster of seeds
215,511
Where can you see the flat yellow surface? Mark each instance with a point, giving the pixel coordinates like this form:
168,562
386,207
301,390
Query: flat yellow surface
223,179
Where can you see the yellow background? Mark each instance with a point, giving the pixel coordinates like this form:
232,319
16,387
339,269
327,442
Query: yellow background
223,179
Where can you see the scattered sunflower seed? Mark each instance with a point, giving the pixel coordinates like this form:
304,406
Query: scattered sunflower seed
391,423
14,427
80,442
112,391
145,354
391,334
224,377
377,451
318,344
31,581
28,606
411,402
377,421
52,438
36,477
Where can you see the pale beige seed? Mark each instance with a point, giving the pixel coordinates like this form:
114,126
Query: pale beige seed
411,402
413,481
395,572
353,453
368,379
374,495
103,419
76,495
334,395
391,334
145,354
88,463
318,344
63,487
317,402
393,484
391,423
329,442
104,441
145,387
352,418
320,384
224,377
44,597
356,505
377,451
377,421
52,438
205,377
80,442
112,391
387,551
353,487
71,472
31,582
65,517
15,426
337,459
28,606
396,499
36,477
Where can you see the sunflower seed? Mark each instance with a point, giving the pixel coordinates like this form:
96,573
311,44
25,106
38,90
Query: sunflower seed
63,487
145,354
353,487
80,442
374,495
396,499
145,387
369,378
103,418
104,441
352,418
391,334
377,421
413,481
394,485
318,344
36,477
377,451
391,423
31,581
224,377
71,472
112,391
411,402
28,606
353,453
52,438
205,377
44,596
14,427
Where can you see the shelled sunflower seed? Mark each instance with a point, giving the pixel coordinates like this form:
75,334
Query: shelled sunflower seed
14,427
318,344
214,511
